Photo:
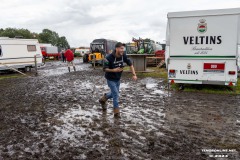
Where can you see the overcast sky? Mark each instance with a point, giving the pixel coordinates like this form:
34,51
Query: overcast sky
81,21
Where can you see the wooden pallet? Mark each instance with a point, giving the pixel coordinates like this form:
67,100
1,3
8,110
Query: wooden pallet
154,61
161,64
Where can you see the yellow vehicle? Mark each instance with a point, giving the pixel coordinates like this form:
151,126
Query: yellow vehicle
96,55
99,49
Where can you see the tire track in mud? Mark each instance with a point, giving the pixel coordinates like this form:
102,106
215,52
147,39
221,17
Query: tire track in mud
57,116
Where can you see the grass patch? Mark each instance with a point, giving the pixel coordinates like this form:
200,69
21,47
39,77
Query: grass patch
10,76
154,73
157,73
213,89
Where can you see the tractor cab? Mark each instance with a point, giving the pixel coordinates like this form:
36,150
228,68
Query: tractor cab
144,46
131,48
99,48
97,53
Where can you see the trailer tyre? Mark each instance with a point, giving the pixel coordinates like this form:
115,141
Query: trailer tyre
27,69
181,87
85,58
96,64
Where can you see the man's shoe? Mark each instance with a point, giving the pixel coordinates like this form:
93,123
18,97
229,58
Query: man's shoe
116,113
103,102
68,69
74,68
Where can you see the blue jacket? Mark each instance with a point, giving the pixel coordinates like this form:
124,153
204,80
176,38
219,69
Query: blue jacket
111,62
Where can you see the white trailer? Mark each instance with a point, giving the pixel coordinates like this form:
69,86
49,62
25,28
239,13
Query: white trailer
52,50
82,51
202,47
49,51
238,58
19,53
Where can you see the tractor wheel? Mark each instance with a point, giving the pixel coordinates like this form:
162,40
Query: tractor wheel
84,59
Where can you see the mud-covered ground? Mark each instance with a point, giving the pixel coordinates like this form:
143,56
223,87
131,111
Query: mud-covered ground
56,115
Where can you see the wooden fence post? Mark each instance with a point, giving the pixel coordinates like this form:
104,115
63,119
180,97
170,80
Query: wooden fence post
35,61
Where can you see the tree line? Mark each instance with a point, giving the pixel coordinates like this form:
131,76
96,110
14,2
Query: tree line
46,36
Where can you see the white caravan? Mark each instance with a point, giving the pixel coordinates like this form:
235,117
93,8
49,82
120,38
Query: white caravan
202,46
19,53
82,51
238,58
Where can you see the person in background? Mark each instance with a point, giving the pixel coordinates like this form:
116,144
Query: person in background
70,59
113,67
63,57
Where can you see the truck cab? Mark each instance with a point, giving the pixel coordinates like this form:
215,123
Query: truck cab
99,49
97,53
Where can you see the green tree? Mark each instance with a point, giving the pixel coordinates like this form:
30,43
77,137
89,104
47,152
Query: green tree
62,42
1,30
52,37
46,36
13,32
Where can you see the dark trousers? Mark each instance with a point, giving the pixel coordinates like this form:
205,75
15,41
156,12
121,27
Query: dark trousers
63,58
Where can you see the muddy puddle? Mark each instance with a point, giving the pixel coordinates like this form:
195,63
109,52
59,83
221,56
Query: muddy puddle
57,68
57,116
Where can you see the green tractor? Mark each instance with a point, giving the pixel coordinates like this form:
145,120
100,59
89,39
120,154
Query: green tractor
141,46
155,51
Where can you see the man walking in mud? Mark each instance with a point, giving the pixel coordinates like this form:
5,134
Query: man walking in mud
113,67
70,59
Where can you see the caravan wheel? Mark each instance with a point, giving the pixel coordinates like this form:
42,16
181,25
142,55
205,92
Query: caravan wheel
181,87
27,69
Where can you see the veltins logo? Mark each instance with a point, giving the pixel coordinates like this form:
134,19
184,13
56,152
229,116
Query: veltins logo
202,26
189,66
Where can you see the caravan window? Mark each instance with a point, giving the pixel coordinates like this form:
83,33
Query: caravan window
31,48
0,50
